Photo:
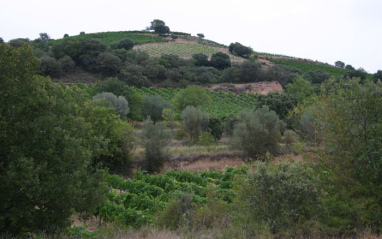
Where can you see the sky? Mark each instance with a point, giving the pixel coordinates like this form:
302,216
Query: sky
326,30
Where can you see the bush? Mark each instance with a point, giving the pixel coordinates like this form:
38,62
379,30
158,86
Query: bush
50,67
126,44
220,61
283,197
194,120
119,103
257,132
153,107
205,139
154,138
108,64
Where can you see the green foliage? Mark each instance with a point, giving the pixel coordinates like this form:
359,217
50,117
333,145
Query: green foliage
126,44
154,138
112,38
249,72
50,67
169,119
220,61
194,121
339,64
200,59
205,139
351,127
46,146
240,50
215,127
191,96
257,132
278,102
284,197
230,123
153,107
301,89
119,103
117,87
306,66
108,64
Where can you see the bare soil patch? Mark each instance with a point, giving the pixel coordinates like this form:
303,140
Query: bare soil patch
263,87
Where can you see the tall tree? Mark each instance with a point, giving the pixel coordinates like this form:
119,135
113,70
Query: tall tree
46,149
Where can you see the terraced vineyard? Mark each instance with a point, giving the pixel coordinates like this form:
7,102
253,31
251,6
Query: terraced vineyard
184,50
223,104
311,66
112,38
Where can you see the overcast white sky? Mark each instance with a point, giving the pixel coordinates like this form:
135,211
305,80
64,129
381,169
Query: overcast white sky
323,30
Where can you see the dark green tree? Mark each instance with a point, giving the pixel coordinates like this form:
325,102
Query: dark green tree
161,29
200,59
50,67
278,102
126,44
240,50
44,37
377,76
46,149
220,61
339,64
108,64
216,128
249,71
156,22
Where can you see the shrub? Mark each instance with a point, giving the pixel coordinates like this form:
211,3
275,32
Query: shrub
153,107
257,132
126,44
119,103
194,120
283,197
154,138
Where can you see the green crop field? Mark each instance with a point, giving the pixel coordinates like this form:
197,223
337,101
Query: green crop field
184,50
144,195
311,66
112,38
223,104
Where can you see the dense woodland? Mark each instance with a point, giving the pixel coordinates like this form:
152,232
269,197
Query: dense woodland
313,152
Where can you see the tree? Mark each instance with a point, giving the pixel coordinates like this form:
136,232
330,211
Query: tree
215,127
201,35
46,149
67,64
108,64
154,138
240,50
1,40
156,22
50,67
44,37
161,29
126,44
119,103
349,67
220,61
282,197
257,132
350,119
377,76
117,87
249,71
153,107
200,59
191,96
278,102
301,89
339,64
169,120
19,42
194,121
316,77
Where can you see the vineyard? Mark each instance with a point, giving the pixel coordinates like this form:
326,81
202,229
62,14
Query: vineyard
223,104
139,198
112,38
184,50
312,66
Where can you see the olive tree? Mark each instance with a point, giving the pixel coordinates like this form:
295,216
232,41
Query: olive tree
257,132
194,121
119,103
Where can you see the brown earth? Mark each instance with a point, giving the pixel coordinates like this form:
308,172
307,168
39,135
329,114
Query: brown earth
255,88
